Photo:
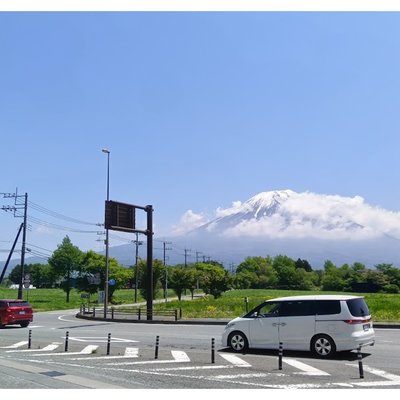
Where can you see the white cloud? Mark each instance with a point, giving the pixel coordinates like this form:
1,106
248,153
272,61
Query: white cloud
188,222
224,212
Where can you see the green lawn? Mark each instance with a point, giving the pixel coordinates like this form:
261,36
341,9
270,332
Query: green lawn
383,307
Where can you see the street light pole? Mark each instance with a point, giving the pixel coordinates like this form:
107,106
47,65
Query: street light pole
107,258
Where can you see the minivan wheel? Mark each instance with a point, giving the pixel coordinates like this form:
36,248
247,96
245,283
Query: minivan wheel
323,346
238,342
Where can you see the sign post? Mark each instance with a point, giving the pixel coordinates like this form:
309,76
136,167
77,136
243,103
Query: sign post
122,217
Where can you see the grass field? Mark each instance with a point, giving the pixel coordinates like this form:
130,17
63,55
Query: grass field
383,307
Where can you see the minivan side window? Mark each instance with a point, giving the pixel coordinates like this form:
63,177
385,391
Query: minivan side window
297,308
358,307
328,307
269,310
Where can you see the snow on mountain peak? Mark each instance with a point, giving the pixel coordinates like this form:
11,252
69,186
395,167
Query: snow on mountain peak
269,199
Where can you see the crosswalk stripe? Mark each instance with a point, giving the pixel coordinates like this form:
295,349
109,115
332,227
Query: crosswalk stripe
50,347
305,368
235,360
15,345
130,352
87,350
178,357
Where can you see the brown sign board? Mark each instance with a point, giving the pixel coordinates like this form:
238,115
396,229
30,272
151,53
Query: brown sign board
119,216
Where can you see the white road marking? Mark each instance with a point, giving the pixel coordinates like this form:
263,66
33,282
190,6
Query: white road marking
245,376
178,357
50,347
15,345
195,368
233,359
305,368
87,350
378,372
130,352
100,339
236,379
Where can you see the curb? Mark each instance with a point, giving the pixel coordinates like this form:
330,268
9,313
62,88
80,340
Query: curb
157,321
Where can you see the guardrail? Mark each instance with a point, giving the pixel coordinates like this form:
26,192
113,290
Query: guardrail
132,314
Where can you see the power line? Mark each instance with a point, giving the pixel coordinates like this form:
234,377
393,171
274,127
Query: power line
56,226
57,215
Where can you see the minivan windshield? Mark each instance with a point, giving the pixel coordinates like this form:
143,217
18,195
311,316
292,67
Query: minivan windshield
358,307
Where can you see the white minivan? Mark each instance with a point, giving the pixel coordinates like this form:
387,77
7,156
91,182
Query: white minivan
322,324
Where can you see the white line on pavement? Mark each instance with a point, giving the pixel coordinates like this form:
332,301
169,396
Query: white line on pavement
15,345
305,368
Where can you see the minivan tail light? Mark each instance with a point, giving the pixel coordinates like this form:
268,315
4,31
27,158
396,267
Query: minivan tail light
356,321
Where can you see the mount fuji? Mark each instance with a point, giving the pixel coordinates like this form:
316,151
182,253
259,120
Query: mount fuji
300,225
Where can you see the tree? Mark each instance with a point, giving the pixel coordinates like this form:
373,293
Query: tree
214,279
285,268
42,275
392,273
94,265
64,261
179,279
158,272
304,264
258,272
15,274
338,279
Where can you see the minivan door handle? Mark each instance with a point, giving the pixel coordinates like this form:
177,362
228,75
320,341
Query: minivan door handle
282,323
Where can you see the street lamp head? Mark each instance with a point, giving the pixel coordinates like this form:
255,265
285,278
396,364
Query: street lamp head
106,151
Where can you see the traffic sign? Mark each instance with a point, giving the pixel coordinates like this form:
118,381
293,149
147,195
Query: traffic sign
27,281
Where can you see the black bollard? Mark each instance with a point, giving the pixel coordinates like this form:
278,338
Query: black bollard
212,351
29,338
360,365
108,344
157,344
280,355
66,341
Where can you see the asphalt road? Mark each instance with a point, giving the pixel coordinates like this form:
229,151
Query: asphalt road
105,355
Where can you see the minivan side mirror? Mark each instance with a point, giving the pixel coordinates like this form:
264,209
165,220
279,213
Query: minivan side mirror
255,314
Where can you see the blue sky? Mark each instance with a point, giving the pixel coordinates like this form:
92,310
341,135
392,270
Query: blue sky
198,110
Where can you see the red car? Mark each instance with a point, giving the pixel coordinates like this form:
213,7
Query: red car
15,312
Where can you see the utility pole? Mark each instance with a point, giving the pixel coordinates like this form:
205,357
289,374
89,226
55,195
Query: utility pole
149,284
197,261
20,296
197,256
232,267
19,206
186,255
165,268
